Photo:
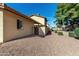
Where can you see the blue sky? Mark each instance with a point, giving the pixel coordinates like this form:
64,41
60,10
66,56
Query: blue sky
47,10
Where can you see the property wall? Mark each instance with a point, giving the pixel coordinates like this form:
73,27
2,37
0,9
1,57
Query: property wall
1,26
10,26
39,19
42,30
47,30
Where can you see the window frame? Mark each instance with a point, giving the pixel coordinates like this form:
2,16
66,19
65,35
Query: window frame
19,24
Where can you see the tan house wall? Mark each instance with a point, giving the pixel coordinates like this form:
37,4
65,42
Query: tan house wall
10,26
42,30
47,30
39,19
1,26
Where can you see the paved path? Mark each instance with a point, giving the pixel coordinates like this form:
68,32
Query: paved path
51,45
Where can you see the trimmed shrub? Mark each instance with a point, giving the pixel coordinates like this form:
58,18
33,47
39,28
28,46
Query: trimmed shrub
60,33
76,31
55,31
71,33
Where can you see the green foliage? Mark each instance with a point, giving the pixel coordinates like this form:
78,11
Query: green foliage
71,33
60,33
55,31
65,11
76,31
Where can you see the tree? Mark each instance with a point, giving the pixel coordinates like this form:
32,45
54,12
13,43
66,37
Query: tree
67,14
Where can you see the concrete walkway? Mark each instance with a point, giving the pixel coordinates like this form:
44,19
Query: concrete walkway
51,45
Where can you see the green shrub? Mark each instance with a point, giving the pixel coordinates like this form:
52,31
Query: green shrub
76,31
60,33
71,33
55,31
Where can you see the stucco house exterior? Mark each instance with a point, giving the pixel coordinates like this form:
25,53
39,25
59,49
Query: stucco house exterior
43,29
15,25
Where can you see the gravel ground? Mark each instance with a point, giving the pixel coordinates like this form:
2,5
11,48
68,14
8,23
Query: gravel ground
51,45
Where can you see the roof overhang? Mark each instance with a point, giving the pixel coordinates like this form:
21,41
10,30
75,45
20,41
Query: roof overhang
5,7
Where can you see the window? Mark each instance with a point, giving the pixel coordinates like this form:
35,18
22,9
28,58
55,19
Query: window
19,24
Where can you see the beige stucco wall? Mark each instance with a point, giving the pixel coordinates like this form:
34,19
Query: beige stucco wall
39,19
10,26
42,30
1,26
47,30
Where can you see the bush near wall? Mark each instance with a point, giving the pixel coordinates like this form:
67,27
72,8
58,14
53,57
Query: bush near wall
55,31
71,33
76,31
60,33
